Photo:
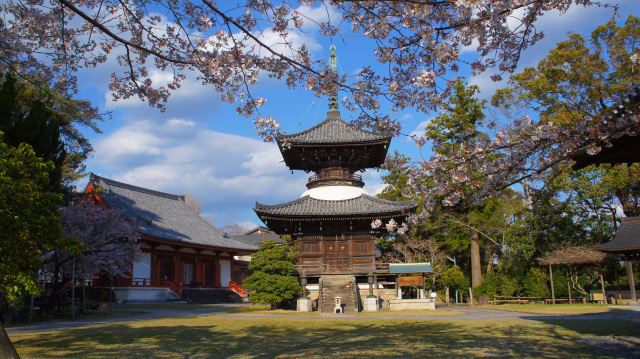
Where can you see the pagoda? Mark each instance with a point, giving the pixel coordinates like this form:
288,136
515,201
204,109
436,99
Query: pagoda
332,220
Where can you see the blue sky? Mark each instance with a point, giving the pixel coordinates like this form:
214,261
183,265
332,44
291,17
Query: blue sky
200,145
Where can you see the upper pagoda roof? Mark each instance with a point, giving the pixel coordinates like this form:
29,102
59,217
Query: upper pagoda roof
361,207
333,131
164,216
334,143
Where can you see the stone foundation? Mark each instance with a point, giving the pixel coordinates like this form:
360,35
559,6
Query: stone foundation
412,304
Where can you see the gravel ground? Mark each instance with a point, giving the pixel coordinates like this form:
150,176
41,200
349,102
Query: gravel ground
611,345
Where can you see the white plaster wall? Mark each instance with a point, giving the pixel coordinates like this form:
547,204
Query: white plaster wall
335,193
144,294
225,273
142,268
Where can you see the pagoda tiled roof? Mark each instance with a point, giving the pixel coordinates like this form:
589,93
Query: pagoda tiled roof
626,239
361,207
333,130
163,215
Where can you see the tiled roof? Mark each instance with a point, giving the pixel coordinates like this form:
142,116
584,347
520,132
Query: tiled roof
257,239
333,130
363,206
627,238
163,215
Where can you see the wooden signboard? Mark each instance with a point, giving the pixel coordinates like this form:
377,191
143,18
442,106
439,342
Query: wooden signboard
416,281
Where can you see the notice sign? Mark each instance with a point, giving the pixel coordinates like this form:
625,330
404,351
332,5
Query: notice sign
410,281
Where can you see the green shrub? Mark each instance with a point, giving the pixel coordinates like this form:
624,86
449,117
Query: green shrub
536,283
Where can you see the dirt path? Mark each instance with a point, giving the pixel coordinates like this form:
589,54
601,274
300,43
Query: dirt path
470,313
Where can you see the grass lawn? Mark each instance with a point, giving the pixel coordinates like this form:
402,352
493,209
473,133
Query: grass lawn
554,309
286,337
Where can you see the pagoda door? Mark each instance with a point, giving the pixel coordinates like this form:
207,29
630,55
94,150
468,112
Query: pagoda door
336,254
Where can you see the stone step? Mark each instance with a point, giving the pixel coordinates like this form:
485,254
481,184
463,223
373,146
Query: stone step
210,296
338,286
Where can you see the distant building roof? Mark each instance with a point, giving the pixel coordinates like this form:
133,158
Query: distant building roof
627,238
360,207
257,229
256,239
163,215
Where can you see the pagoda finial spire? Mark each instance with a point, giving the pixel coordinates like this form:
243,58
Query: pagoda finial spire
333,97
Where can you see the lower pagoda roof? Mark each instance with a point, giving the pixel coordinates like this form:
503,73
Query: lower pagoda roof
311,209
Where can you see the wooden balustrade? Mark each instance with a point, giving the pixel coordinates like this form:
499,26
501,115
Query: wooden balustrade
237,287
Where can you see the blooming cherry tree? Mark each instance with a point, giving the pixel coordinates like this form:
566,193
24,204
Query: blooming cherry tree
110,242
225,45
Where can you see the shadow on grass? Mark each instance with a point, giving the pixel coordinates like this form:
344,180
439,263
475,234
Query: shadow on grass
276,337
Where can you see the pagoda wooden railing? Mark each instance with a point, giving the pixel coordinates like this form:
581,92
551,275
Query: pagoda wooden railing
237,287
377,268
335,175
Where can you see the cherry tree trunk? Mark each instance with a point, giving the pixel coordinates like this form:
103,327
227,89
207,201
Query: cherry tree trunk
476,266
7,350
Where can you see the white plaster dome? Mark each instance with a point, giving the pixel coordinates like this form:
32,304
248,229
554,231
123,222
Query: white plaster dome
335,193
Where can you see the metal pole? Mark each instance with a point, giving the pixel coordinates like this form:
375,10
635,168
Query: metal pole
73,289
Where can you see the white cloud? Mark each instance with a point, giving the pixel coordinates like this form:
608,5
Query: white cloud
294,40
312,16
407,116
228,172
419,131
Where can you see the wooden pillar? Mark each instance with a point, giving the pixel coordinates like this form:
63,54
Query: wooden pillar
632,284
232,261
553,292
177,275
569,283
398,291
604,293
216,281
153,275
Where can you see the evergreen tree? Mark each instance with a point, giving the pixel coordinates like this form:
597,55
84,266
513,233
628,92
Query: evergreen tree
271,281
30,221
36,125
